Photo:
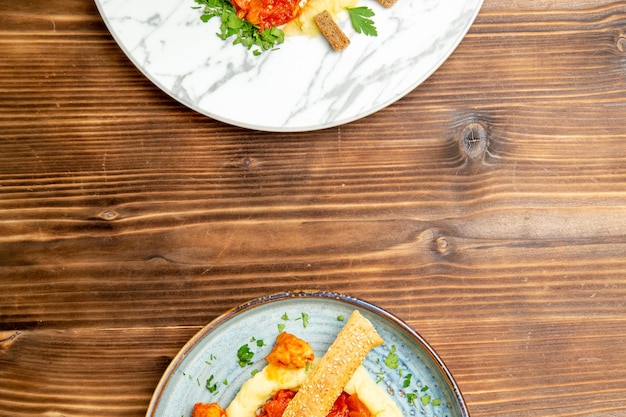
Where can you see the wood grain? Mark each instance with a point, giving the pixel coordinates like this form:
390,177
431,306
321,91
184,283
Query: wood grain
487,208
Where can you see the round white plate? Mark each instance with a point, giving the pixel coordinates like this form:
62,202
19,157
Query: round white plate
302,86
315,317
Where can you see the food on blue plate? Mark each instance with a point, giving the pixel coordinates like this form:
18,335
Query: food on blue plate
295,383
317,395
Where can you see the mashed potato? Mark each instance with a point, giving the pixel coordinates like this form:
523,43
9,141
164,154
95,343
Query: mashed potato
260,388
372,395
304,24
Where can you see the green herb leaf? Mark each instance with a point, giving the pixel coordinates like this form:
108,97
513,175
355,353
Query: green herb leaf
244,354
411,397
392,361
436,401
281,327
425,400
305,319
210,385
361,20
407,381
243,32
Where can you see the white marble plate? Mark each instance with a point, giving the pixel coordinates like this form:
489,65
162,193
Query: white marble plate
211,355
302,86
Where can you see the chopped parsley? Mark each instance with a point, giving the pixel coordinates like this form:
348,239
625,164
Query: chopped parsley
245,355
258,342
285,317
209,361
392,361
244,32
210,385
305,319
407,381
361,20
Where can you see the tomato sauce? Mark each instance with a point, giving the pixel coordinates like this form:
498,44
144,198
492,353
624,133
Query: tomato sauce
267,13
345,406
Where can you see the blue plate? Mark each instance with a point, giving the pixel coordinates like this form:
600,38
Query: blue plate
317,317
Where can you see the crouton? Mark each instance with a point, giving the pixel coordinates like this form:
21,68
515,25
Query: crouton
331,31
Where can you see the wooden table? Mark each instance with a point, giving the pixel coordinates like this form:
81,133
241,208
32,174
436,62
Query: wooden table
487,209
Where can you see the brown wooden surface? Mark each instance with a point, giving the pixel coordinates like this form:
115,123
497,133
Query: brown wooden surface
127,221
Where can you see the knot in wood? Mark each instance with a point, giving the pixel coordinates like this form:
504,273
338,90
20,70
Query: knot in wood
442,244
109,215
621,44
248,162
474,141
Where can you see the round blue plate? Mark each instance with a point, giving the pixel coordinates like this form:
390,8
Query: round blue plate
207,369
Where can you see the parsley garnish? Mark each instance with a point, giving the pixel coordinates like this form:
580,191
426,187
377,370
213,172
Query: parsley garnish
244,354
361,22
305,319
210,385
244,32
392,360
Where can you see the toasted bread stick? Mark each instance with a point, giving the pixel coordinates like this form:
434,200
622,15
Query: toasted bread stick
326,382
331,31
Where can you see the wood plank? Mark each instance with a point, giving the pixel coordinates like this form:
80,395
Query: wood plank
128,221
100,372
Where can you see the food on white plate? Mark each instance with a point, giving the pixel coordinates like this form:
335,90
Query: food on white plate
294,383
387,3
331,31
304,25
261,25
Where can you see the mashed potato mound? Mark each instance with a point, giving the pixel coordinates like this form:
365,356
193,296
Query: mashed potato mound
256,391
261,387
372,395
